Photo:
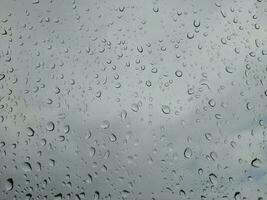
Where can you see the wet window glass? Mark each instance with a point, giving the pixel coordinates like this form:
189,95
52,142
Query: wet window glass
133,100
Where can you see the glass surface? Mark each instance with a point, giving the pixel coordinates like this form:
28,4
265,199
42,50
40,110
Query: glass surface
133,100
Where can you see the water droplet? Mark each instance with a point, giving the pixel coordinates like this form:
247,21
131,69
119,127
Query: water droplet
208,136
66,129
2,76
26,167
237,196
50,126
165,109
182,194
256,163
58,196
196,23
96,195
28,196
140,49
229,69
105,124
134,107
200,171
187,152
123,114
148,83
249,106
35,1
112,137
213,178
30,131
9,184
190,35
178,73
156,9
212,102
92,151
52,162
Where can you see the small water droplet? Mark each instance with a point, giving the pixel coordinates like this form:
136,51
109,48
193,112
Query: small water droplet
105,124
249,106
2,76
123,114
134,107
58,196
256,163
190,35
148,83
50,126
26,167
156,9
178,73
30,131
208,136
66,129
112,137
213,178
165,109
237,196
196,23
200,171
212,102
187,152
140,49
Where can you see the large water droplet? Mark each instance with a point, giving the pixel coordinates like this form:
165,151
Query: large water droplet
96,195
165,109
256,162
26,167
9,184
